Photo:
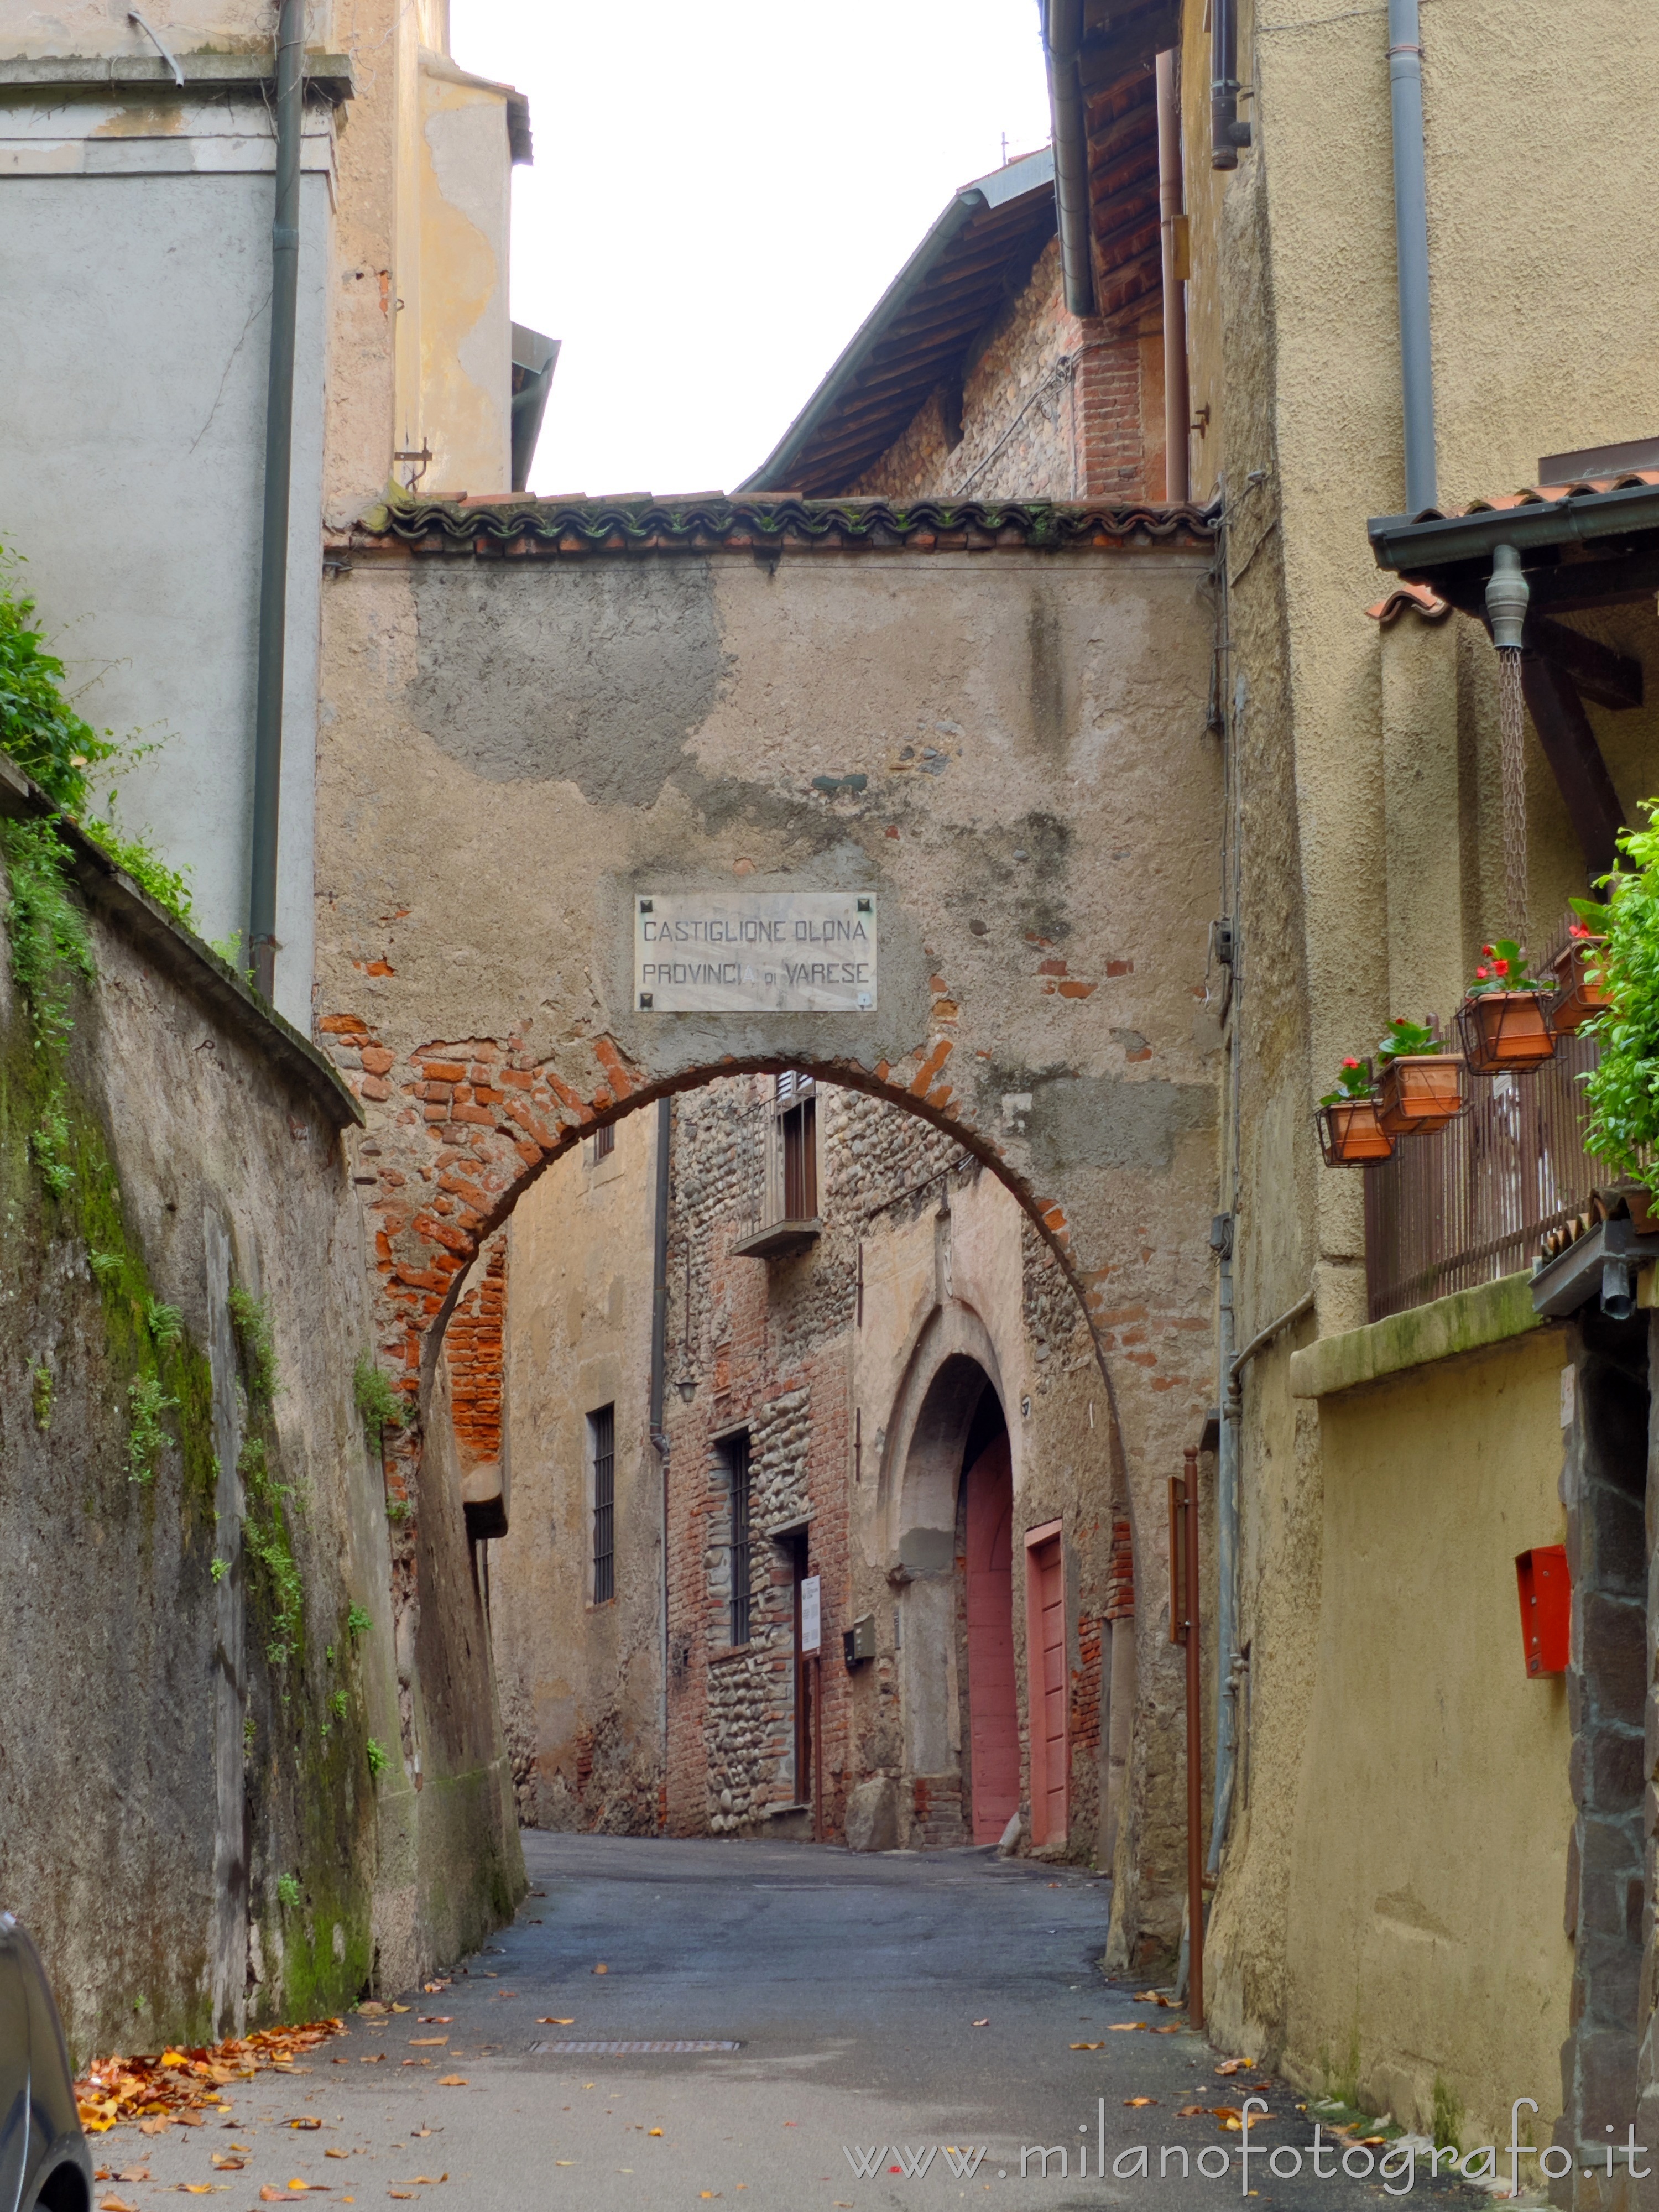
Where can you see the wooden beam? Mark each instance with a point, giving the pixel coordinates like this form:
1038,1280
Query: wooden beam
1612,680
1569,742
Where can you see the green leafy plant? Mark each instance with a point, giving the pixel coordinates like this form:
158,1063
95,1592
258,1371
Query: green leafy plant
146,1437
1353,1081
251,1318
379,1758
397,1511
1503,968
1407,1040
288,1892
40,1395
51,952
338,1705
357,1623
106,1266
1622,1091
270,1548
218,1570
166,1324
379,1405
38,727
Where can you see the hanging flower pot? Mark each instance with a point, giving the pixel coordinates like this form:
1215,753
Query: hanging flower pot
1505,1019
1349,1132
1423,1086
1580,980
1420,1092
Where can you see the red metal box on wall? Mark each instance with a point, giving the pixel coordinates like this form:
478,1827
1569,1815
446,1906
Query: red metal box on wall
1546,1608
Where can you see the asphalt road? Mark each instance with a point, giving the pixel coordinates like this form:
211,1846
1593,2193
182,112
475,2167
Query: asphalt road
885,2006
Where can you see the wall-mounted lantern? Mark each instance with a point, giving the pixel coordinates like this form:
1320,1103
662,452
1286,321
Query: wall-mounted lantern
1546,1608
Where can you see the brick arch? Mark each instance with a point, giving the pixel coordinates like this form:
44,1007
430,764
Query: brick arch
996,723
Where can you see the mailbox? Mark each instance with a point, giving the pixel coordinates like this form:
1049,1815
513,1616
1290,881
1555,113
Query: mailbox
1546,1608
857,1642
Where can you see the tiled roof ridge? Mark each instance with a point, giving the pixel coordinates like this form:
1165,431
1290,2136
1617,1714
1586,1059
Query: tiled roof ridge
1544,494
700,522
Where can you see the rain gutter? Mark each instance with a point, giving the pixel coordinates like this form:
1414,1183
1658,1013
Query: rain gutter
1411,547
1062,43
261,948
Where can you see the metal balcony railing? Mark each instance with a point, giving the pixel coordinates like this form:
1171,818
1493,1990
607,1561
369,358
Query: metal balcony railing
1470,1204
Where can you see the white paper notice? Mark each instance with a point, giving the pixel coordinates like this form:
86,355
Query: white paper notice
755,952
810,1616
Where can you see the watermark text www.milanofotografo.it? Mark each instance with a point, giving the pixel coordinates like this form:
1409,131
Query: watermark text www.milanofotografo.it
1397,2165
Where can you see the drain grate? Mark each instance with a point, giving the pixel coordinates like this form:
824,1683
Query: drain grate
619,2049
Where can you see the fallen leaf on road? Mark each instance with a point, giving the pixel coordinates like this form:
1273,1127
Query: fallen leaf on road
371,2004
400,2192
452,2081
1124,2026
1173,2028
331,2152
398,2008
1369,2141
564,2161
437,2020
152,2127
1088,2046
270,2195
374,2061
985,2022
224,2164
1234,2065
552,2020
602,1970
1053,1885
420,2135
115,2204
243,2148
129,2173
198,2188
653,2132
1187,2111
305,2120
424,2041
1138,2101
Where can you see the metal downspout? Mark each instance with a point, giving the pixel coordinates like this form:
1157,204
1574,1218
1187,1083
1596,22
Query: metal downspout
1226,1573
1227,133
279,456
1177,408
1411,230
1062,34
659,1379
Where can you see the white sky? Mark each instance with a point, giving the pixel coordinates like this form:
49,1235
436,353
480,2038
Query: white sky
722,190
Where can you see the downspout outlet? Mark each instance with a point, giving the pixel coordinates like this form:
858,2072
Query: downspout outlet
1507,596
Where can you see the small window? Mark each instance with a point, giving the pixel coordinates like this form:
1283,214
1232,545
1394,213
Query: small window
797,1109
737,1475
604,1141
601,1437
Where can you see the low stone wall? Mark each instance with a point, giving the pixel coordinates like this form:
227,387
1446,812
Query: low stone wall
206,1814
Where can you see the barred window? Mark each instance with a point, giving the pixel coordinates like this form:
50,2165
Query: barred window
797,1108
602,1440
604,1141
737,1475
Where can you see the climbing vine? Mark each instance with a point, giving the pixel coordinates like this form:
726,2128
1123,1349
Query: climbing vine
1622,1091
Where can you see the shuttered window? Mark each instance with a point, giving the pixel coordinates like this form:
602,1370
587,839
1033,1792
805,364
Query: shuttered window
602,1432
736,1467
797,1107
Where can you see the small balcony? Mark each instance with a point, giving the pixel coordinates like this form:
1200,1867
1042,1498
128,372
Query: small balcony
1476,1200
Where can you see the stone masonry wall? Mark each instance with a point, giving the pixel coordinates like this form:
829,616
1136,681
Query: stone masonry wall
192,1823
1051,407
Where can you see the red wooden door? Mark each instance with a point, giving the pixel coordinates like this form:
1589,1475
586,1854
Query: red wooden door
1045,1632
993,1706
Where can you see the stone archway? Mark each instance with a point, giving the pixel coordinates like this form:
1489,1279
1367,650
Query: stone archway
991,722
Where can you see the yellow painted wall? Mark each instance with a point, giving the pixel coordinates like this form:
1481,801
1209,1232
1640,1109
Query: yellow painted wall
1428,1867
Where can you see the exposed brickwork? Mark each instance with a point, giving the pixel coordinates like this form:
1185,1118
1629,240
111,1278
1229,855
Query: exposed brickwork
1059,407
1086,1688
472,1345
1120,1583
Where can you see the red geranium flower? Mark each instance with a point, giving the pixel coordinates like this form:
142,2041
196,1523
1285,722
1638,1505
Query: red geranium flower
1480,976
1500,967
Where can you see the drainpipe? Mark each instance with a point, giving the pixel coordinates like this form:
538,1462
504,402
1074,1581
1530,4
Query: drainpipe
1227,1653
1226,1554
279,454
1062,35
659,1377
1227,133
1177,409
1411,231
